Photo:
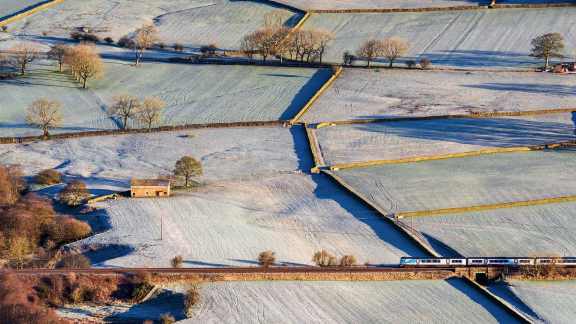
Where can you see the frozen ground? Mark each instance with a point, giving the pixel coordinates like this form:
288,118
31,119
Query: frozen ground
464,182
371,4
469,39
108,162
542,230
359,94
9,7
405,139
440,301
543,301
229,223
193,23
193,94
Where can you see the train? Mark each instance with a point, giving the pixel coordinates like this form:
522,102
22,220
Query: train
486,261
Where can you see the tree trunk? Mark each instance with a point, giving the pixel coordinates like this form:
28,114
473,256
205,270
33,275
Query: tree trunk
547,62
391,62
84,83
149,125
368,64
22,69
186,181
46,134
125,122
60,66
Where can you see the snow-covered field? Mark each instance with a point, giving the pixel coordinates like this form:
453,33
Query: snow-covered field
8,7
359,94
543,301
470,39
372,4
229,223
542,230
193,23
405,139
193,94
108,162
464,182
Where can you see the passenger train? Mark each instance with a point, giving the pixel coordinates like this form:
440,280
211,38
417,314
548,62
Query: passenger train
485,261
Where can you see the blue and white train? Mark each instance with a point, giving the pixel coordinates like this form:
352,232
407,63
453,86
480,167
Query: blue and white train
482,261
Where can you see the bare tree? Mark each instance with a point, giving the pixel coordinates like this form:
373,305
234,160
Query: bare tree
393,48
249,45
323,258
22,55
370,50
58,53
347,261
125,107
74,194
547,46
84,63
44,114
275,19
266,258
144,38
187,167
151,111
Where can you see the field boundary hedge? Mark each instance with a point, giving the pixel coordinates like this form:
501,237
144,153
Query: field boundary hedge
450,8
27,139
499,301
315,149
410,234
460,210
337,72
497,150
28,12
436,117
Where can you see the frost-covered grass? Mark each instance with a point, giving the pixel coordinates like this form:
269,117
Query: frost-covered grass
405,139
450,301
108,162
542,230
464,182
229,223
9,7
193,94
470,39
192,23
359,94
543,301
372,4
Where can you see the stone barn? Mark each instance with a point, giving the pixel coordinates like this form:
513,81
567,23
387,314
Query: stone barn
146,188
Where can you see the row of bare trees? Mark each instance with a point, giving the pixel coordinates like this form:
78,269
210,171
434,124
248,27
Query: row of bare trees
147,111
390,48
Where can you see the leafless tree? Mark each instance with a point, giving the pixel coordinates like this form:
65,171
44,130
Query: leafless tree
84,63
44,114
22,55
370,50
323,258
144,38
547,46
275,19
125,107
266,258
393,48
58,53
151,111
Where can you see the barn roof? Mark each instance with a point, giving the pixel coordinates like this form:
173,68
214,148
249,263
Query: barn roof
149,183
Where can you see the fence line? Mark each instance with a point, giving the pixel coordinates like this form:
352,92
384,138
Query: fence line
28,12
315,149
450,8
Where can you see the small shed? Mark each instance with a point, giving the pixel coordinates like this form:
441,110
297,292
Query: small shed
145,188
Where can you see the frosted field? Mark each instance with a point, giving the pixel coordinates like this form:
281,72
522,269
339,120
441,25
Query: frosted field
108,162
9,7
464,182
230,223
371,4
450,301
543,301
81,109
542,230
219,22
468,39
360,94
193,94
405,139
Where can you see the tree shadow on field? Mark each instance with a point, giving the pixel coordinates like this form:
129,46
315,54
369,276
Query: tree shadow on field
504,291
494,132
499,313
205,264
546,89
480,58
306,92
165,302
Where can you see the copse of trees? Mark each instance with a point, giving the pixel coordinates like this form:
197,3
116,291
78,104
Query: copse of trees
547,46
84,63
390,48
74,194
129,108
44,114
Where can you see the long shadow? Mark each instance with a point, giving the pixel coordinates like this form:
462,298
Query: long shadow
23,10
440,247
480,58
306,93
205,264
302,149
498,132
165,302
500,314
547,89
504,291
108,252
